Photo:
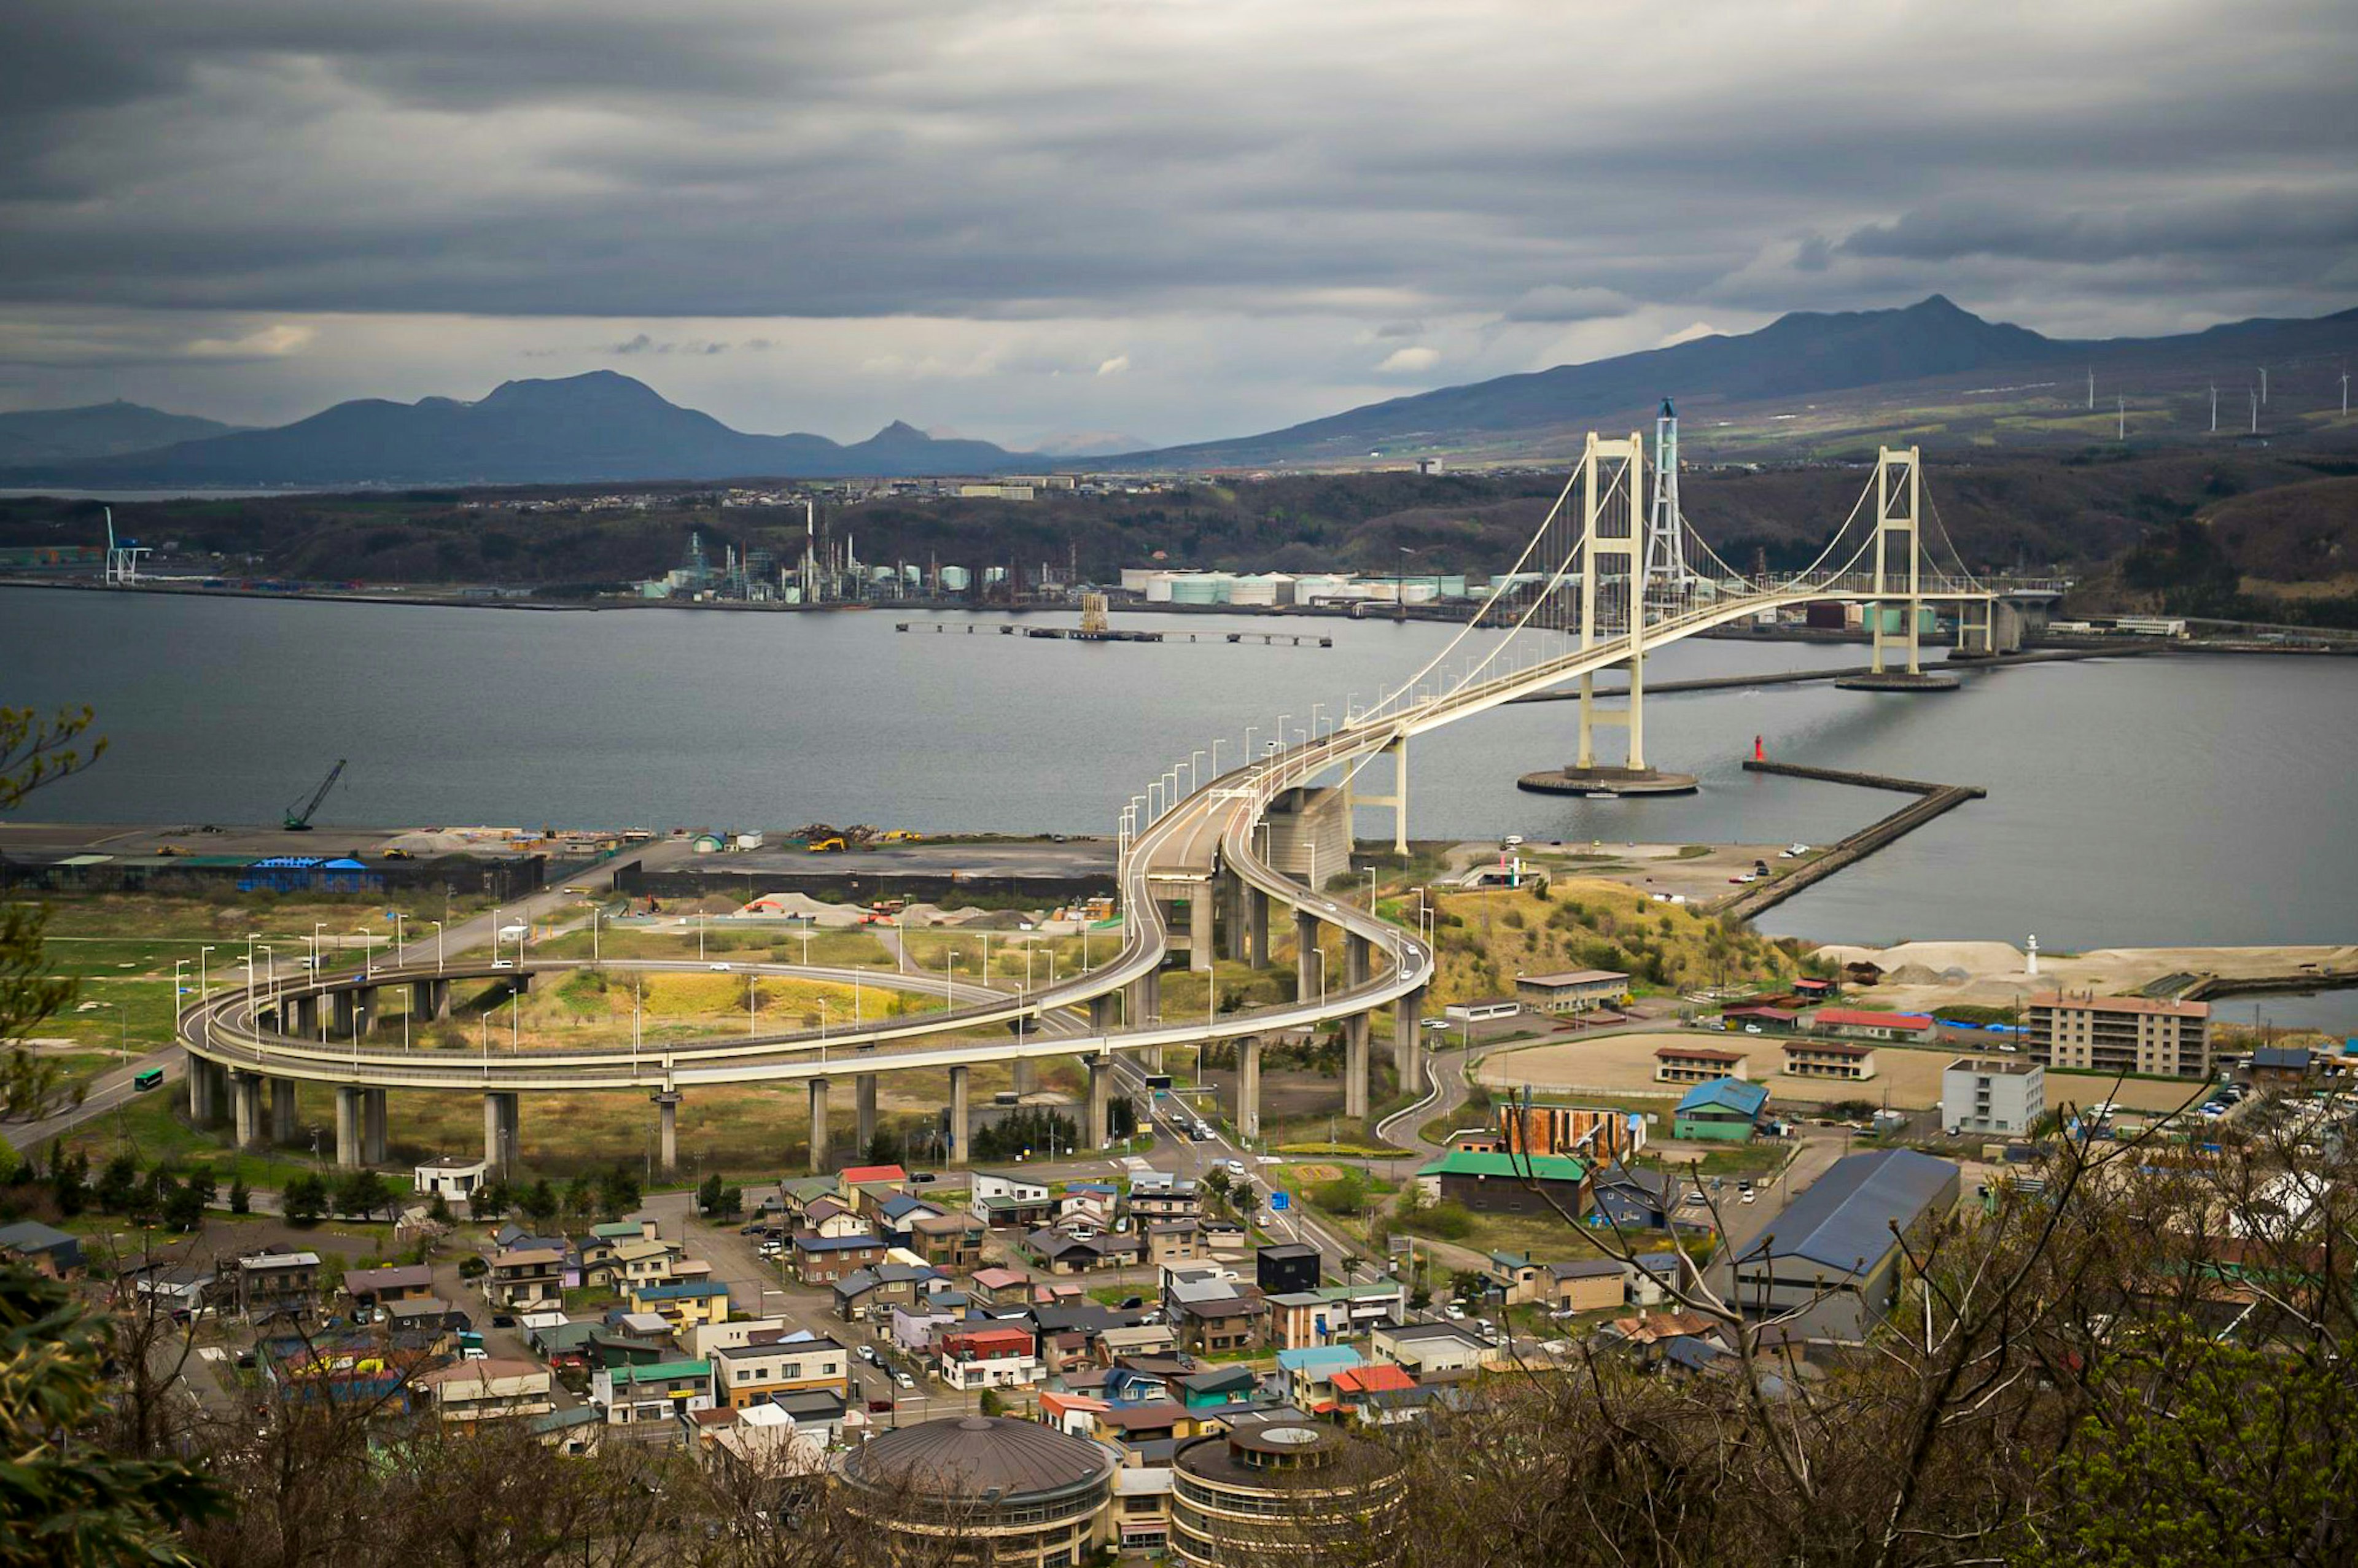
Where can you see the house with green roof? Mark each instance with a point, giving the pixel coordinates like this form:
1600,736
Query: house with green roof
657,1390
1499,1182
1725,1111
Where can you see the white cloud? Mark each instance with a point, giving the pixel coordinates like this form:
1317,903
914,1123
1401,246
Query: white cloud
1409,361
274,342
1115,365
1687,334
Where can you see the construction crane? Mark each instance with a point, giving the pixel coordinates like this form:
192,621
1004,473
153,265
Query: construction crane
299,821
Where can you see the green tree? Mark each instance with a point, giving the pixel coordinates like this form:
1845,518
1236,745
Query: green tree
490,1201
732,1203
438,1209
618,1191
540,1203
304,1198
581,1196
117,1188
69,1182
361,1194
707,1193
241,1197
34,751
63,1501
181,1204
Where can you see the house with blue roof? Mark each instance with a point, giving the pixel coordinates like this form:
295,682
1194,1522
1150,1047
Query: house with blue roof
1835,1259
1307,1374
685,1304
1725,1111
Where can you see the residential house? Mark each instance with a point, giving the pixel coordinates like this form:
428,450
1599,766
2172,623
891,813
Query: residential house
1685,1063
640,1261
1140,1339
853,1177
1001,1287
270,1284
685,1303
652,1391
703,1339
1286,1266
527,1277
1001,1199
380,1287
1501,1183
491,1390
824,1260
873,1292
1380,1394
1331,1314
1634,1198
756,1374
1174,1241
44,1248
889,1213
1514,1279
820,1413
1845,1059
1725,1111
1164,1195
1680,1341
1061,1252
1221,1324
1215,1388
915,1325
757,1443
1649,1277
797,1194
2282,1067
1993,1094
1424,1349
1586,1284
832,1217
1307,1375
1000,1356
947,1240
1142,1508
1759,1021
573,1433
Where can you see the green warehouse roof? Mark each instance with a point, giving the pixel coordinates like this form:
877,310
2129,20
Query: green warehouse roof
1471,1162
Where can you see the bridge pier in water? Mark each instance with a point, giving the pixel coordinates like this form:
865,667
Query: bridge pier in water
820,1151
959,1139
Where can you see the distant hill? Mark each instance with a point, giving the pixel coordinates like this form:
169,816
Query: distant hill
1802,355
582,428
102,430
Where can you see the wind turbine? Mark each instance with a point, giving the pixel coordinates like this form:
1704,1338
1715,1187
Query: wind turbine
2263,384
2121,407
2214,407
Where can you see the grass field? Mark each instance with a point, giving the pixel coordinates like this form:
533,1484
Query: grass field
1487,938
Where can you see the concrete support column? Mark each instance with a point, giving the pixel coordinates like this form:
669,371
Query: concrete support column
429,999
495,1124
245,1106
1146,998
1408,1042
667,1129
282,1111
1151,1058
1100,1123
366,1000
348,1128
1027,1075
1354,1066
1105,1012
373,1131
820,1153
1231,935
1356,968
1257,928
1199,928
202,1106
863,1110
342,1015
960,1136
1248,1087
1305,955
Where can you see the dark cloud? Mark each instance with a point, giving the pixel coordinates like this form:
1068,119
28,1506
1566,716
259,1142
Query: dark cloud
1045,162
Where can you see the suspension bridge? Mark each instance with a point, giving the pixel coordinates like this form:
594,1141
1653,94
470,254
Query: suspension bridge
1612,573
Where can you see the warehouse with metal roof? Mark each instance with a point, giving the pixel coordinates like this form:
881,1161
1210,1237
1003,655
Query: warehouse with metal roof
1833,1258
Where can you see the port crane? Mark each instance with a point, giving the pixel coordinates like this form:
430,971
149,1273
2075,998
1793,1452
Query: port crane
299,821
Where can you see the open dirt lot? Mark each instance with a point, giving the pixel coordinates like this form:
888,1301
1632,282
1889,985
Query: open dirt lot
1623,1065
1994,974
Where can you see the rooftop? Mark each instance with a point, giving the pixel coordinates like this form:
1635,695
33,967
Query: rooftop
2146,1006
1844,1220
2007,1066
1574,978
1860,1018
1726,1094
979,1456
1471,1162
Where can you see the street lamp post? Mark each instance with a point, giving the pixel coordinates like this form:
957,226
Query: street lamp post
398,950
1322,975
438,947
204,979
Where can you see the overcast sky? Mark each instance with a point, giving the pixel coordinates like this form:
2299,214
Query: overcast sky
1169,219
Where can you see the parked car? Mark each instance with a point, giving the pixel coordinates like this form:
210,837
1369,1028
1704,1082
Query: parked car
903,1379
868,1353
718,968
502,1320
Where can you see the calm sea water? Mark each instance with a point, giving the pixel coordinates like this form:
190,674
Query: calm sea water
2132,801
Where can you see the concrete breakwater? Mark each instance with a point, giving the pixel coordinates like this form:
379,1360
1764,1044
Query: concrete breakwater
1930,800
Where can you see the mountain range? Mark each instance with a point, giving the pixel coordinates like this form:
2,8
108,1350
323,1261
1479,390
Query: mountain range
1918,369
1914,354
583,428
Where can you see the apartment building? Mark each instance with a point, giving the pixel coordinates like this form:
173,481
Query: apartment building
1994,1094
746,1374
2082,1032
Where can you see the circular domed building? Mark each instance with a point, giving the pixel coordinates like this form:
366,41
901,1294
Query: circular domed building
1282,1489
1021,1493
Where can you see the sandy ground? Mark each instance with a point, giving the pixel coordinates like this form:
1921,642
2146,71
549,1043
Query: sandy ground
1623,1065
1652,868
1994,974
